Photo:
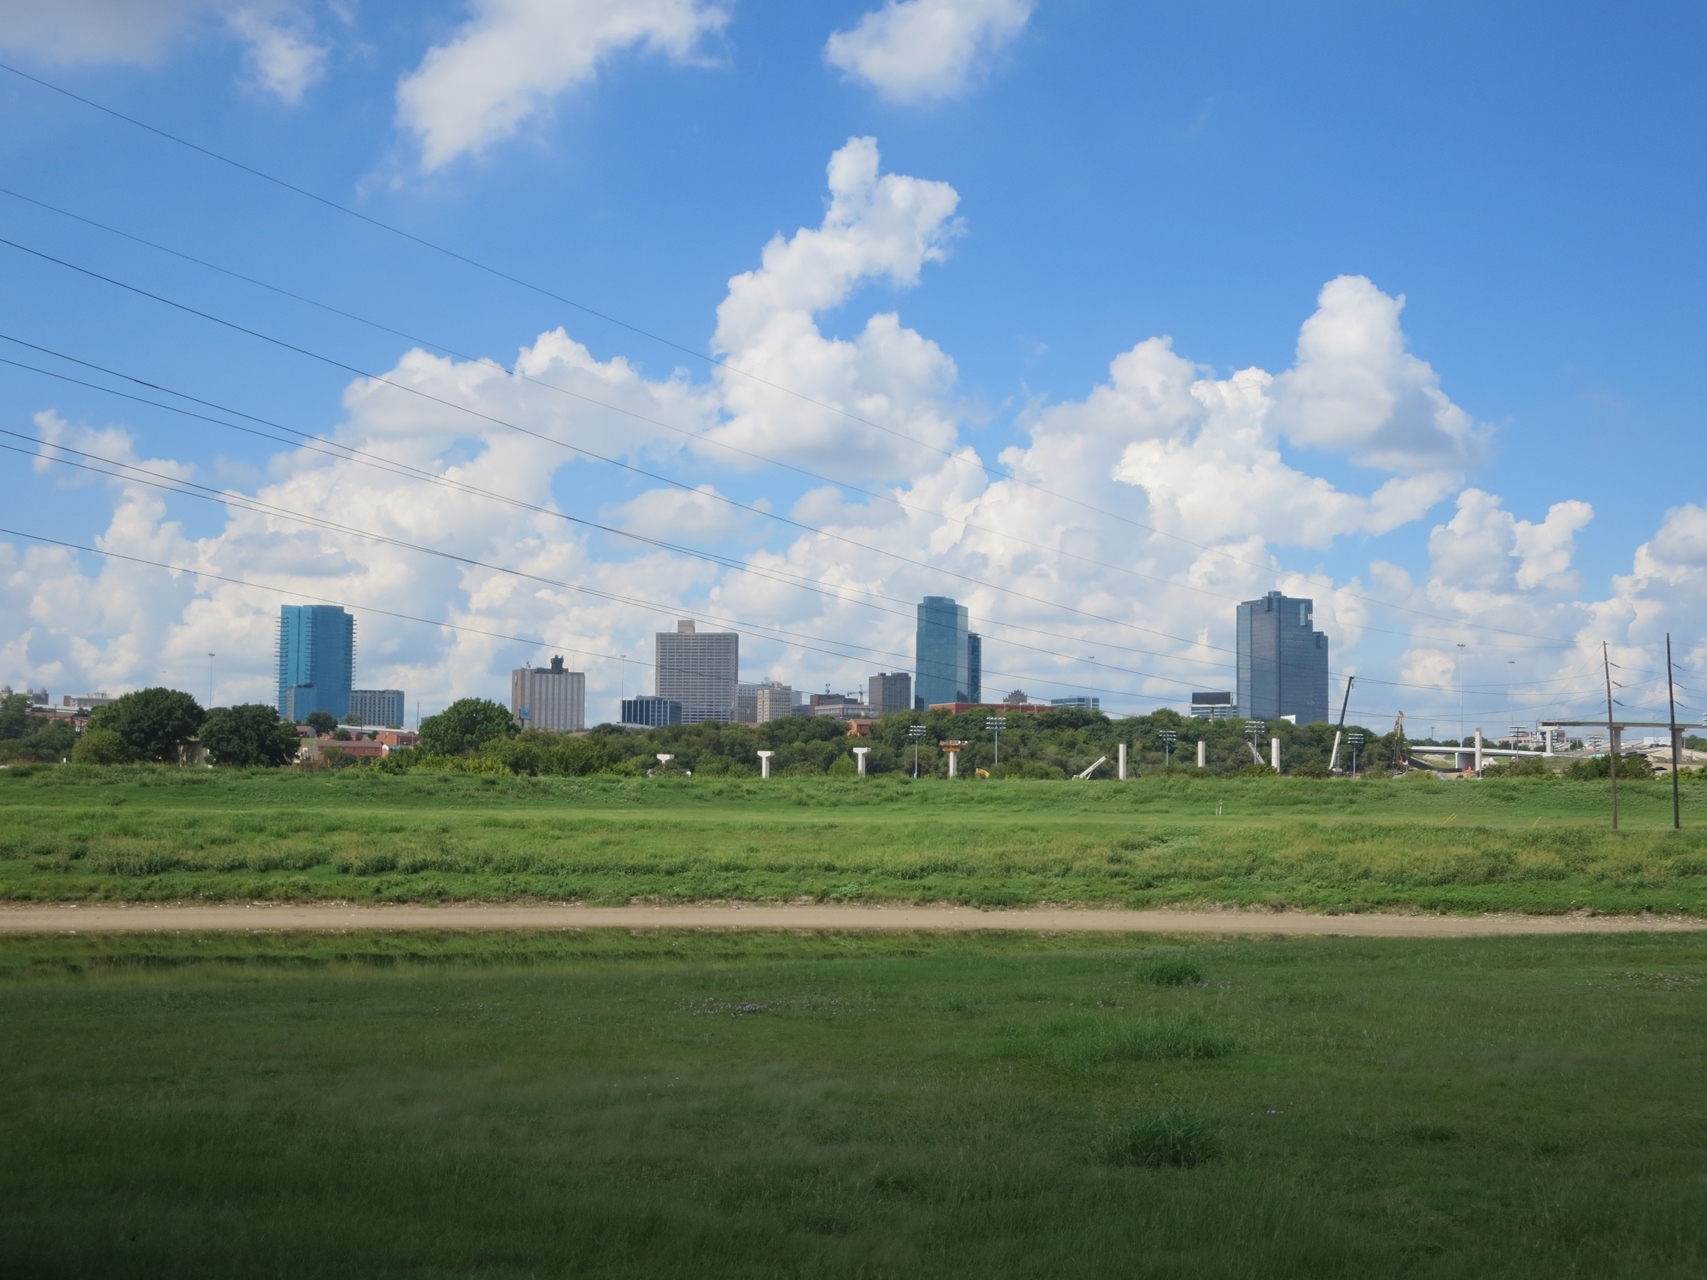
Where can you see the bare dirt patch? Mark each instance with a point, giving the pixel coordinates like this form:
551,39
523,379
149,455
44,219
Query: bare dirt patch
335,917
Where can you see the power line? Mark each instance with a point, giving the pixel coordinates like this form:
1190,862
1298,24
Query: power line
756,632
615,462
390,466
242,502
687,350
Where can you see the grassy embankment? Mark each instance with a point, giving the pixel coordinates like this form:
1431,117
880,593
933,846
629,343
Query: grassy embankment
617,1105
84,834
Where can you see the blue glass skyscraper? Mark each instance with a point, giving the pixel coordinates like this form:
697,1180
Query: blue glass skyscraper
941,658
317,660
1283,660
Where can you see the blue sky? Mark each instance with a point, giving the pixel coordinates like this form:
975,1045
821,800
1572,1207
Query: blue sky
1528,178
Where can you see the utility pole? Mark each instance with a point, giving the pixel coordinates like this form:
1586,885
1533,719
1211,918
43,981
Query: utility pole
1671,699
1611,733
210,658
1459,672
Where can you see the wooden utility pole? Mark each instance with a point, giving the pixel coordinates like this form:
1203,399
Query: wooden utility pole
1671,699
1611,732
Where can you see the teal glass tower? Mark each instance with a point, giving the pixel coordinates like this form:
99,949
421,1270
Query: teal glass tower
317,660
941,658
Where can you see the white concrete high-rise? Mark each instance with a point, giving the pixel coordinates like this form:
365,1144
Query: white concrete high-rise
700,670
549,698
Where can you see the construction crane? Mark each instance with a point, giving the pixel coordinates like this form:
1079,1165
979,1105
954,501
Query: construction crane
1339,730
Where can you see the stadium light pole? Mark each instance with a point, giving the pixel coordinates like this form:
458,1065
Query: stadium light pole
916,733
1168,737
995,724
1354,740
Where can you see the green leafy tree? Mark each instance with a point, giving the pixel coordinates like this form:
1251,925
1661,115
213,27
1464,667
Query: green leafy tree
249,735
14,716
101,746
153,724
465,726
52,741
322,722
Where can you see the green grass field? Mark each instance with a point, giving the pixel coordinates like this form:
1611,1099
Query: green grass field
607,1104
88,834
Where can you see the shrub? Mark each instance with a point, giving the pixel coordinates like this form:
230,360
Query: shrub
101,746
1629,766
1162,1039
1173,1138
1171,971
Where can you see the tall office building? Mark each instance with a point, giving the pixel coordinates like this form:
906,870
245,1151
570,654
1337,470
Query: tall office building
773,702
886,693
700,670
549,698
1283,660
317,660
377,708
941,658
974,667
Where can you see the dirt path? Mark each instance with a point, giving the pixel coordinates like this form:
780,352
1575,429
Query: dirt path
327,918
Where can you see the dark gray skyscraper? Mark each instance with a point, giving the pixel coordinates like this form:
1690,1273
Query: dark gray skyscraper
941,668
974,667
1283,660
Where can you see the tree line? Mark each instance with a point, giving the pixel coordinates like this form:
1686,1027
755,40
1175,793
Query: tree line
161,725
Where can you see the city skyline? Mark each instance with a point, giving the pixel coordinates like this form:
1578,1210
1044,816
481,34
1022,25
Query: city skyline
999,325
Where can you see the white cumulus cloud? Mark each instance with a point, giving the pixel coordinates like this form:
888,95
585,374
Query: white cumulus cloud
1138,513
1355,389
284,55
859,405
918,50
512,57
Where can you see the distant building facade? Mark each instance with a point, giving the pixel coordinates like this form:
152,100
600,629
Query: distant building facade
746,703
551,697
773,702
974,667
1215,704
377,708
651,713
1283,660
316,660
1081,703
942,670
700,670
889,692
